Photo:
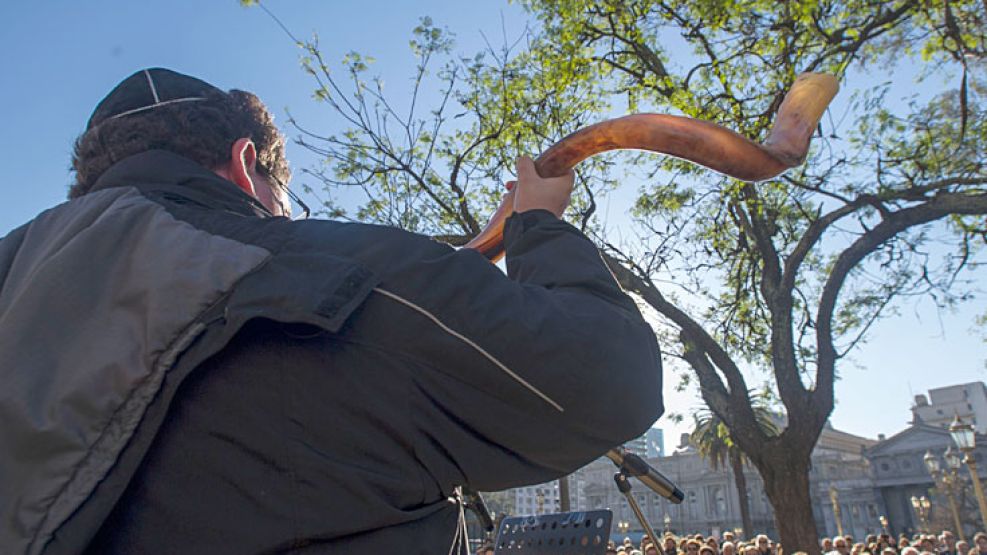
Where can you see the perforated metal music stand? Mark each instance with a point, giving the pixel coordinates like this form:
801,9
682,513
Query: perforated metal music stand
576,533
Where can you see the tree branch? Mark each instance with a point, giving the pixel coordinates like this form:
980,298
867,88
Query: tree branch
941,205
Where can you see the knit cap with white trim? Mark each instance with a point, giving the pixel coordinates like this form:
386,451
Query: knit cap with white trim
148,89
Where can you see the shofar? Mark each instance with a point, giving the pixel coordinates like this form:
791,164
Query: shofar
701,142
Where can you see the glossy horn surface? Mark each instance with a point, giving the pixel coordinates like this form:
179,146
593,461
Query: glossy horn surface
701,142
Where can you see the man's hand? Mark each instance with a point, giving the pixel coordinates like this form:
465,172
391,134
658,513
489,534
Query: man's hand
532,191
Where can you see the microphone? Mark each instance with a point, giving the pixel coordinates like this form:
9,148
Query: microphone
633,465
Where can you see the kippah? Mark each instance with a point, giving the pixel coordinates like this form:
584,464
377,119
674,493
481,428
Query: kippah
148,89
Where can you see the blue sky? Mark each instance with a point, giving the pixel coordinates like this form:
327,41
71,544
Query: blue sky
62,57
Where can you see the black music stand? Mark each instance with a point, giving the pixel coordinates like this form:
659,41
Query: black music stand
576,533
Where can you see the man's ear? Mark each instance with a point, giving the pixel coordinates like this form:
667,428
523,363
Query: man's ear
243,162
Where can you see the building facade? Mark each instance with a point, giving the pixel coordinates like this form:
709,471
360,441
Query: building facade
712,503
900,472
968,401
655,438
841,483
536,500
651,444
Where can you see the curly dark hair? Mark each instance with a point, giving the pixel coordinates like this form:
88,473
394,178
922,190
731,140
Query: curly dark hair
202,131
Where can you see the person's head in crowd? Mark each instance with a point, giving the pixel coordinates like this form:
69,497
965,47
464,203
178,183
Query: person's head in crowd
826,544
840,545
751,549
611,550
714,543
229,132
980,542
947,540
729,537
857,548
762,543
871,538
634,552
888,551
669,545
485,550
652,550
707,550
727,548
962,547
627,541
910,551
903,543
927,543
692,547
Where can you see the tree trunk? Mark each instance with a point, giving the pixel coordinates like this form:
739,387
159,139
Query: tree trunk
740,481
786,482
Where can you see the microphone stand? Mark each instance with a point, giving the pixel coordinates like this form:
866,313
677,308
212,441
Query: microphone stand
620,459
625,487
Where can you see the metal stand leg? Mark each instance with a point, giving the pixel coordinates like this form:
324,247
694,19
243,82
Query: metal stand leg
625,487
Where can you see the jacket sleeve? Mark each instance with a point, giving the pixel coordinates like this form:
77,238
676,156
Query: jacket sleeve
528,376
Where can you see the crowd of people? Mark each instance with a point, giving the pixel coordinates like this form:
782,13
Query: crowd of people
729,544
874,544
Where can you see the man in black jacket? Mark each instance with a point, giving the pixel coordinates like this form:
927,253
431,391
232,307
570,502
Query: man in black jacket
187,371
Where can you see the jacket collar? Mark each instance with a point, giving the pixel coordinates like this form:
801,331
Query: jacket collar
164,171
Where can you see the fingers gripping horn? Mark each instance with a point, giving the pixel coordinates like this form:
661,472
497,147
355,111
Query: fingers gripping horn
701,142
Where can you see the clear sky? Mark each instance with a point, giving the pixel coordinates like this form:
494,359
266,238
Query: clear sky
61,57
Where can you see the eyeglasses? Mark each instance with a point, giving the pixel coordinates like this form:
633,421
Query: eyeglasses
306,212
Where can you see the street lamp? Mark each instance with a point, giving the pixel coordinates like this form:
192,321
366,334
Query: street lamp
834,498
921,506
949,481
953,460
884,523
623,526
668,523
965,439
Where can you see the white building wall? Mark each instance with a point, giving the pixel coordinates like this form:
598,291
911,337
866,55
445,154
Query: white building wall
943,404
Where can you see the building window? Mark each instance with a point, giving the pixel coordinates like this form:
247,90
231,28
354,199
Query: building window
885,467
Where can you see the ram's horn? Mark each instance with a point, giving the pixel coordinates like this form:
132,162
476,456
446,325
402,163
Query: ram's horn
701,142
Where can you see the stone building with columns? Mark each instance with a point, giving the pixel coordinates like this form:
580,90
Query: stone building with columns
711,501
900,472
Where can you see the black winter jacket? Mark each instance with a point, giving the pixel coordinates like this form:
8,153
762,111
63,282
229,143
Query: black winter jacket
182,373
